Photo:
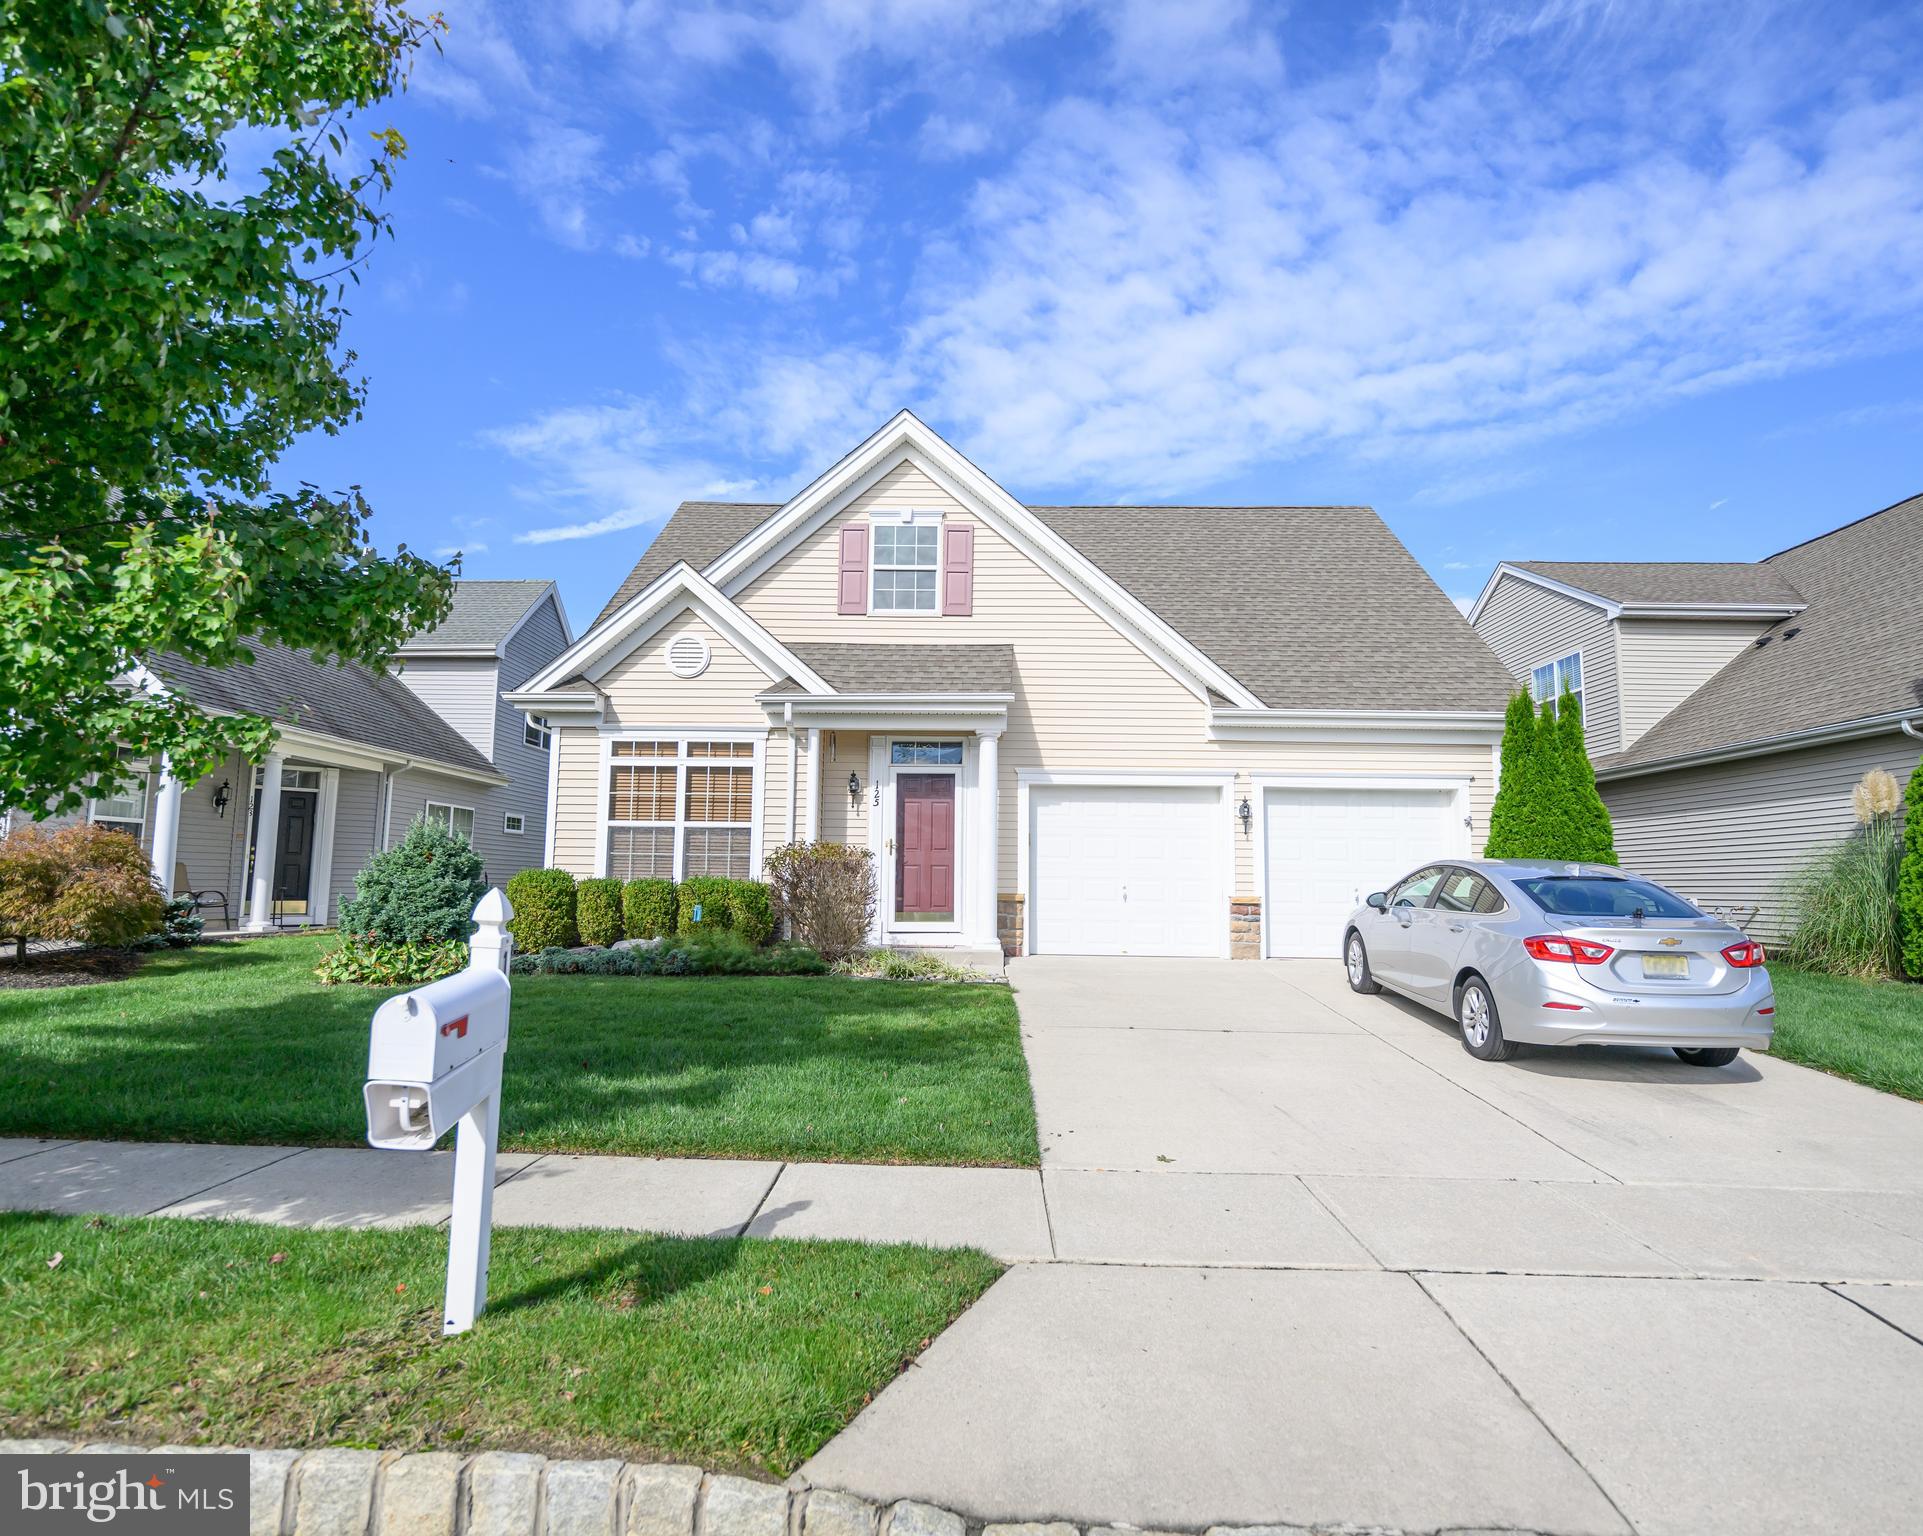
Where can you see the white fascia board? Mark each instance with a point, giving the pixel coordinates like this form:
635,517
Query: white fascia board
1771,611
907,436
649,611
872,711
1548,583
447,653
1471,727
1815,736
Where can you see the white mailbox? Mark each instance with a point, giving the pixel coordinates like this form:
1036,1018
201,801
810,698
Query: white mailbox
434,1054
434,1063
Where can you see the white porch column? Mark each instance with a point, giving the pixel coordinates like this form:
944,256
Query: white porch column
166,826
813,821
988,866
260,917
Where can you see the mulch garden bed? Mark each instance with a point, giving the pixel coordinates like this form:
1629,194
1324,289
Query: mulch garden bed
68,967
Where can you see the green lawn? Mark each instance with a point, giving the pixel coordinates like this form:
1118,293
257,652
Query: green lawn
746,1354
237,1042
1871,1031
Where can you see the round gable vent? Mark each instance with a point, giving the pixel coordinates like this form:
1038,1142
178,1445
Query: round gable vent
688,655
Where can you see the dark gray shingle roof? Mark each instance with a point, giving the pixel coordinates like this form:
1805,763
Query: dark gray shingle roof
349,702
700,532
1856,652
908,668
483,613
1670,581
1308,607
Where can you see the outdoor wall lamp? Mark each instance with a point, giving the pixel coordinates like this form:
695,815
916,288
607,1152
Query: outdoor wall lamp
220,797
1245,815
854,790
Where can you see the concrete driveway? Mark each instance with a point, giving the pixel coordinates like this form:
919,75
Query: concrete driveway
1315,1264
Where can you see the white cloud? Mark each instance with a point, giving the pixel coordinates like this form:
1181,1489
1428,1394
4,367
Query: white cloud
615,463
1424,260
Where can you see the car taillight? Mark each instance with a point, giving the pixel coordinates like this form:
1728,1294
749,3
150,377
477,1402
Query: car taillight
1553,946
1744,956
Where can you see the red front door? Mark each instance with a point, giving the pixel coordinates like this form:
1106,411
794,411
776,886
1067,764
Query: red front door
925,847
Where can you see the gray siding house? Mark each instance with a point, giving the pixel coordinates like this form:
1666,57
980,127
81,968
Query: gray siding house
360,757
1730,707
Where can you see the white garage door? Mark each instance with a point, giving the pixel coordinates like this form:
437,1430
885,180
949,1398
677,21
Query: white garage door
1329,848
1126,870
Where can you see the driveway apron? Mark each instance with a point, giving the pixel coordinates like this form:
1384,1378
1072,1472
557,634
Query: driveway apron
1314,1264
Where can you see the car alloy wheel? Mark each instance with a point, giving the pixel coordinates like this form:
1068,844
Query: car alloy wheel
1475,1017
1358,966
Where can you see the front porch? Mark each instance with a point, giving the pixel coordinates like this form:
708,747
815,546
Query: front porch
921,791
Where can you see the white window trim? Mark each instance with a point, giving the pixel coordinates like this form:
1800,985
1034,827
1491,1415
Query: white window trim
428,807
907,517
508,830
141,789
680,736
1582,693
539,727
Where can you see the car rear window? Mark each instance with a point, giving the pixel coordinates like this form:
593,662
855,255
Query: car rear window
1600,896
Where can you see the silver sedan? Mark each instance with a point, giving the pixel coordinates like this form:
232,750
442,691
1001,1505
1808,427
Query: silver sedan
1522,952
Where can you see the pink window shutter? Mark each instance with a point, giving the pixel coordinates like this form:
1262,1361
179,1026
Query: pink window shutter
958,571
854,569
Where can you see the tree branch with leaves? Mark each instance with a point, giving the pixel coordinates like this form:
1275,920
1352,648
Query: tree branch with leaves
170,323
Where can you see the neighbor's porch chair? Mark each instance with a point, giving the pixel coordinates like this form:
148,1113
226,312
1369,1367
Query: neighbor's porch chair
204,901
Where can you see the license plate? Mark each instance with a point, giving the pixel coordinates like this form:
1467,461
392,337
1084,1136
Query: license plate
1665,965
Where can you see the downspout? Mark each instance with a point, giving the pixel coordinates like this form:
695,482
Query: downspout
794,767
1910,730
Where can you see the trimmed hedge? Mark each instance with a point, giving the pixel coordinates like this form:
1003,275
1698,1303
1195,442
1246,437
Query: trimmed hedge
718,954
543,902
597,911
708,893
648,908
750,911
420,891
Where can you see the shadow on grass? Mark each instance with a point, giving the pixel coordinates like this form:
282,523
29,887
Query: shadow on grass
657,1268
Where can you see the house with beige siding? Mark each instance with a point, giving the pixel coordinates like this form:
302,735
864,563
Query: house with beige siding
359,757
1730,707
1090,730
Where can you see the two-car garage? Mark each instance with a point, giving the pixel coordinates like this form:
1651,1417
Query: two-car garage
1148,868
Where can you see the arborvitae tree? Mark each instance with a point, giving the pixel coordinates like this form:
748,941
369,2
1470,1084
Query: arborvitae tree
1513,817
1909,879
1584,829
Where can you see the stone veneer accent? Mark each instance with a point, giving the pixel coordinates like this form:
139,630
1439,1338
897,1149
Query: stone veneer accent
1245,928
1010,923
337,1492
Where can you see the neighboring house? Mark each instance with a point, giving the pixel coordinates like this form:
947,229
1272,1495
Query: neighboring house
1730,708
1097,730
360,757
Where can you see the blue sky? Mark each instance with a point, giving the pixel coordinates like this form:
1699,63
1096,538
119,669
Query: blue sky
1567,280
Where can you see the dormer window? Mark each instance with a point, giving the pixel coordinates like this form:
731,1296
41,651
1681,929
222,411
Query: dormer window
906,556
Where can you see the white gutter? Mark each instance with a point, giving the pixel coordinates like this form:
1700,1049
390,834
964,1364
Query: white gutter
1815,736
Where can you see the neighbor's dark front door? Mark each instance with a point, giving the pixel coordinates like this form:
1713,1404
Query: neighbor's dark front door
925,847
294,850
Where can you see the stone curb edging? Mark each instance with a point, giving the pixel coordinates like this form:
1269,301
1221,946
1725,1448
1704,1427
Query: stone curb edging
339,1492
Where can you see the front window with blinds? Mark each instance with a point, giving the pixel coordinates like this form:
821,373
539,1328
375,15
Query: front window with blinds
681,807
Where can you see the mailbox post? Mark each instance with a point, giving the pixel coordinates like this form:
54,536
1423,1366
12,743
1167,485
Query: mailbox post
434,1063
